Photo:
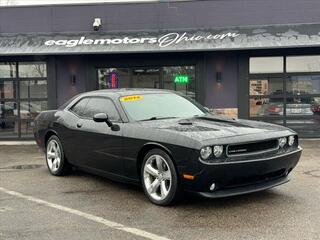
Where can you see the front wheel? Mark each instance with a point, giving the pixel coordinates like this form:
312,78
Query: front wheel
159,178
55,159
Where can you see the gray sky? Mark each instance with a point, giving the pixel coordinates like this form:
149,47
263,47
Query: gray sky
41,2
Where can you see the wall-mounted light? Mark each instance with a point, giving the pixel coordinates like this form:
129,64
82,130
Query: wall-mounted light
219,77
73,79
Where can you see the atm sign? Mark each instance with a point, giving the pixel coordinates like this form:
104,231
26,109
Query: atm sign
181,79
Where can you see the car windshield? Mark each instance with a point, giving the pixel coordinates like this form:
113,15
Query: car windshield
160,106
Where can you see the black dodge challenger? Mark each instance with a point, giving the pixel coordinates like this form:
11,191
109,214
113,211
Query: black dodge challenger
167,142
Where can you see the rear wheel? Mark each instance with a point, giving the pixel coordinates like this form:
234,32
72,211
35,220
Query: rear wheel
159,178
55,159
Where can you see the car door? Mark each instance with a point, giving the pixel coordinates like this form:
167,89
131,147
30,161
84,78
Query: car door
100,145
71,133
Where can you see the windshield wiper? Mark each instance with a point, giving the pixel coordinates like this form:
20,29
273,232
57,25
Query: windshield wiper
156,118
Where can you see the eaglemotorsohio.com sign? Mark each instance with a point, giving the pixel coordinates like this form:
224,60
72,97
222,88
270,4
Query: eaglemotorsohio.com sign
162,41
263,37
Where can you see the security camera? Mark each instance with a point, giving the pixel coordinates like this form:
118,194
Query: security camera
96,24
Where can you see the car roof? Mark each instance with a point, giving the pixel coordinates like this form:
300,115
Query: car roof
127,91
114,94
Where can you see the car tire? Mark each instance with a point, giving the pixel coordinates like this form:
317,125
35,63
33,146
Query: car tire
159,178
55,159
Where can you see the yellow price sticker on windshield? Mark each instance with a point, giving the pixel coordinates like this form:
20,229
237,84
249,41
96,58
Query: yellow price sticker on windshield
131,98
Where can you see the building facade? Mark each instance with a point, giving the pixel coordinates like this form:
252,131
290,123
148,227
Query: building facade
252,59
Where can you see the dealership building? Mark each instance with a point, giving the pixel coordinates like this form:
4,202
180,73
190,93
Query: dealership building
257,60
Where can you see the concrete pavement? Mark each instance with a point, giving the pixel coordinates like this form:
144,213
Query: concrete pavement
291,211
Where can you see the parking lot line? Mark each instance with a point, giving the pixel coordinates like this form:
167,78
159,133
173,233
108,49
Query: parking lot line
97,219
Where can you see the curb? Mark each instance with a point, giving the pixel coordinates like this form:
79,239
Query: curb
17,143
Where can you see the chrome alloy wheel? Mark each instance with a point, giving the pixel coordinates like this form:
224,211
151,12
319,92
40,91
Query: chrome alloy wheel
53,155
157,177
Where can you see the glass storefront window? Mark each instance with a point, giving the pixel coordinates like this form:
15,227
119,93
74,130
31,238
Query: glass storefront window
33,89
266,107
302,106
113,78
266,86
307,84
9,124
177,78
146,78
7,89
303,64
23,95
28,112
265,65
32,69
181,79
7,70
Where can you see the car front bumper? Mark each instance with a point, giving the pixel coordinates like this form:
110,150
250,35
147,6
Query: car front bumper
235,178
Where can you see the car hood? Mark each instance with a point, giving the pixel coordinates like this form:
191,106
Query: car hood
211,128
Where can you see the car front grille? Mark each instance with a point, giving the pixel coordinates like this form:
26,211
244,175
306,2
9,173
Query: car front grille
252,148
254,179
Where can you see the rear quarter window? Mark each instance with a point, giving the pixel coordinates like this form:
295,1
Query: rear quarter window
80,107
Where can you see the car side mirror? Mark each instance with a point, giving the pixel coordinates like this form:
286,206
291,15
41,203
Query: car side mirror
103,117
100,117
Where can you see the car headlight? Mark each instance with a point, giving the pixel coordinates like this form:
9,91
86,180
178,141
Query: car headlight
282,141
205,152
291,140
217,150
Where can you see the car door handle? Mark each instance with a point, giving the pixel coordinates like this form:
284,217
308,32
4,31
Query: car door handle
79,125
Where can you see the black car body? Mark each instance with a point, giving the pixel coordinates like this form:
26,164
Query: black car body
252,159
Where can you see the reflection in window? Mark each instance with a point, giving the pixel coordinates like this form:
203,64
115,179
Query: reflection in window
266,65
267,86
300,105
32,69
33,89
303,64
101,105
7,89
266,107
146,78
7,70
28,111
315,105
304,84
79,107
109,78
32,96
181,79
8,119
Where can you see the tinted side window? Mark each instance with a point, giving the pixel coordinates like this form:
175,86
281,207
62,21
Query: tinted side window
79,107
101,105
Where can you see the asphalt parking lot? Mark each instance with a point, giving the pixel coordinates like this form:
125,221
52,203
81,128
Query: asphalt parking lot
36,205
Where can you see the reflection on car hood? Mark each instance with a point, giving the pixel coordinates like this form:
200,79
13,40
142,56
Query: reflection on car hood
210,126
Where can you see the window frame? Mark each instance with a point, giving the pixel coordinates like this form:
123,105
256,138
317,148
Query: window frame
88,118
161,67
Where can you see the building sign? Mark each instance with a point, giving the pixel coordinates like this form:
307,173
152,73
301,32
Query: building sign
181,79
284,36
162,41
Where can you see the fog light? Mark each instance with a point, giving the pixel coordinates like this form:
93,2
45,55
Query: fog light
291,140
282,141
205,152
217,151
212,187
